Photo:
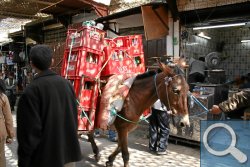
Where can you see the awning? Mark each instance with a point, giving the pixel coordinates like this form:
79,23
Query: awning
65,7
232,13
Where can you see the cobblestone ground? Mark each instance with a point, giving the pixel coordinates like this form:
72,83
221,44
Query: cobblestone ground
178,155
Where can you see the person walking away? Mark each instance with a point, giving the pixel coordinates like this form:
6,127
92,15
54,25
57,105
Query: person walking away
6,123
158,128
11,84
47,117
196,71
2,76
27,79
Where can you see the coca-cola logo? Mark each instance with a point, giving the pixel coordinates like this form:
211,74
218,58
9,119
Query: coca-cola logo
95,35
71,67
123,69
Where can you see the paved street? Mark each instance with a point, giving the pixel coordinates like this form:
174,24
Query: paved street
178,156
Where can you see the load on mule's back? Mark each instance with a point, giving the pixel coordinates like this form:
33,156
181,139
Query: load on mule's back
86,63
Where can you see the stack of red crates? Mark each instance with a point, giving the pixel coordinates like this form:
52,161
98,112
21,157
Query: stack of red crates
124,54
82,63
85,54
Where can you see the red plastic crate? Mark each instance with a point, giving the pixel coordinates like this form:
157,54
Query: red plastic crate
119,62
122,60
85,62
83,123
136,45
121,41
133,42
89,37
140,63
87,94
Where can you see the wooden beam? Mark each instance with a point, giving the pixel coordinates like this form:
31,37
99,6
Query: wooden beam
59,5
94,3
100,11
41,2
173,8
16,15
51,5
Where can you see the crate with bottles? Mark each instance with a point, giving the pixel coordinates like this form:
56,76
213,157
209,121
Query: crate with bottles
89,35
86,91
82,62
123,55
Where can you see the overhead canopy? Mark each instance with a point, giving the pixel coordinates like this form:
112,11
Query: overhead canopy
233,13
30,9
25,9
15,13
73,7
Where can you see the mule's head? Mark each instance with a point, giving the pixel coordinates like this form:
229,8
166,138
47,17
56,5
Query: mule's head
175,94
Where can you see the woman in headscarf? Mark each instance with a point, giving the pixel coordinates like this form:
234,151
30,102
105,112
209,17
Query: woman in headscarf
6,123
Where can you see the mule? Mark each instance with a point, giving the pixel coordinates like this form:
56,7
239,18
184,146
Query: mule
170,88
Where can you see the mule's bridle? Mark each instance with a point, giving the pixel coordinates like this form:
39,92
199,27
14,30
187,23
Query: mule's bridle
167,80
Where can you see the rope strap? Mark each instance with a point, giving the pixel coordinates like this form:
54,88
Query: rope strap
113,112
84,113
202,106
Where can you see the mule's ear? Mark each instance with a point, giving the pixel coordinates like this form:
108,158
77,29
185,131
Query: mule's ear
166,69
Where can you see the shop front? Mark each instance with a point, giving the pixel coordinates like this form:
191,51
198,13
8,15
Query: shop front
220,35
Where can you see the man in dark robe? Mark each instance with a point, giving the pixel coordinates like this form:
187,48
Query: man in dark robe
47,117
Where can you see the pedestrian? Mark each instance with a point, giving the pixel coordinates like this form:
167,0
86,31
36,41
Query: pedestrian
245,82
112,135
47,117
196,71
27,78
2,76
6,123
158,129
11,85
238,100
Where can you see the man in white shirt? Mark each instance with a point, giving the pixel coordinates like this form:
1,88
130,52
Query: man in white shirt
158,128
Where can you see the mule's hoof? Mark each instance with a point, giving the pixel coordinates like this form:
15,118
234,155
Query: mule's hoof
97,157
109,164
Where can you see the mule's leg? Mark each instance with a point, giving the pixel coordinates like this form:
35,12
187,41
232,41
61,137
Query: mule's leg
124,147
94,146
111,158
